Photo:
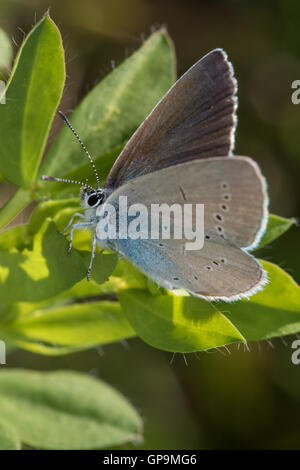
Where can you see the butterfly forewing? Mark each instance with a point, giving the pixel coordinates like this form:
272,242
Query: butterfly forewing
194,120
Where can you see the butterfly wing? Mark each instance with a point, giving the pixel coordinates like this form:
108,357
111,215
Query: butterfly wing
194,120
221,269
202,273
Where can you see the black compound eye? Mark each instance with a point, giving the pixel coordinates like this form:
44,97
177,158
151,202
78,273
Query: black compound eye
93,200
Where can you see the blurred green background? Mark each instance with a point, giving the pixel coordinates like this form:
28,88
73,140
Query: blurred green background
225,399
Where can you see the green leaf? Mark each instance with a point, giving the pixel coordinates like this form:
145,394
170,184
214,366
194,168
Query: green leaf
111,112
5,50
58,330
81,290
82,310
42,272
49,209
66,410
22,234
274,311
14,237
103,265
8,437
125,276
32,95
61,211
177,323
276,226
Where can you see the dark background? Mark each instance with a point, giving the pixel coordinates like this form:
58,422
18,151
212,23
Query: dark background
225,399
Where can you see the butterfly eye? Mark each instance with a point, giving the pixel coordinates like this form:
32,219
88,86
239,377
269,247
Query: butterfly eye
93,200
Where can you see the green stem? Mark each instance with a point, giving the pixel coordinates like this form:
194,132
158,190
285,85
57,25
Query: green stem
15,204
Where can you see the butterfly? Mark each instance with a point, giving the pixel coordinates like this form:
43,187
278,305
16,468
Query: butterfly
182,153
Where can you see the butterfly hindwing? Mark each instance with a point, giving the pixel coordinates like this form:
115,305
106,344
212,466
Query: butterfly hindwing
221,269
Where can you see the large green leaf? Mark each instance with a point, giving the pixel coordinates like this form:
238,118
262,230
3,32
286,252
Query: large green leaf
177,323
8,437
32,94
5,50
66,410
42,272
187,324
274,311
276,226
78,318
66,328
111,112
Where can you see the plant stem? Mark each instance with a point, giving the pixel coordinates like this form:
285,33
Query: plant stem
14,205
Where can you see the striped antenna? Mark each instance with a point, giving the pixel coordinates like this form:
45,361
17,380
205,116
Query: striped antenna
63,180
64,117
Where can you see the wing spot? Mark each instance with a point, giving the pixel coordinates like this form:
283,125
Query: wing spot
219,217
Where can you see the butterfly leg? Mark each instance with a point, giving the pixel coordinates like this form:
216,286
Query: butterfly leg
92,256
77,214
74,227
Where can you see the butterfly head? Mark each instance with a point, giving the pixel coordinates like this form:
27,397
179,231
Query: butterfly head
90,197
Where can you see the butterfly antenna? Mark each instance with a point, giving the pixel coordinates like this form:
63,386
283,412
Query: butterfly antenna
63,180
64,117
